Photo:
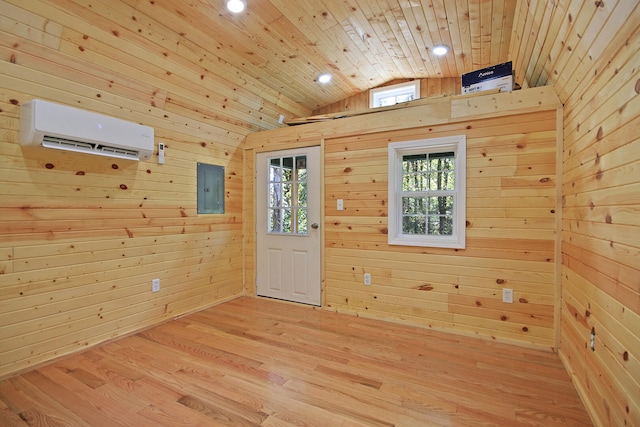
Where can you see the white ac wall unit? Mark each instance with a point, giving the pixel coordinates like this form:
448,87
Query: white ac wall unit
51,125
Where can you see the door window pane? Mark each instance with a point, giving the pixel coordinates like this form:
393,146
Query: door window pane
288,195
302,221
275,220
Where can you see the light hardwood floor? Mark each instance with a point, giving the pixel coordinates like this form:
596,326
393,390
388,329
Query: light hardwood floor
263,362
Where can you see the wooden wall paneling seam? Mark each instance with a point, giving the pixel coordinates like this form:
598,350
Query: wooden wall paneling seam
397,17
582,185
613,318
559,217
624,196
358,27
540,22
486,13
566,24
532,250
540,70
608,178
247,88
476,28
507,28
125,23
609,352
570,59
529,278
296,42
30,26
173,77
418,29
583,53
458,39
621,274
237,119
609,59
119,85
581,125
121,232
82,290
27,263
609,349
622,293
464,23
497,18
197,39
446,62
28,289
618,138
330,22
382,31
6,261
515,44
268,43
622,253
184,74
249,218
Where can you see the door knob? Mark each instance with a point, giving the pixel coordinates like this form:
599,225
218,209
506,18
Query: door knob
314,225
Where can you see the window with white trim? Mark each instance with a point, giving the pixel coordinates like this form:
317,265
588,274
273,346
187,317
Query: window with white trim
394,94
427,191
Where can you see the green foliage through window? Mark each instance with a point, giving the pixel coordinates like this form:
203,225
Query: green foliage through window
288,195
426,206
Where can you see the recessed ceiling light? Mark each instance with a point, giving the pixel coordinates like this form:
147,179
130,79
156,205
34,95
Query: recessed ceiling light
440,50
236,6
324,78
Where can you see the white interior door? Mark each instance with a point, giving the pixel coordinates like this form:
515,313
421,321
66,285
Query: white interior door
288,225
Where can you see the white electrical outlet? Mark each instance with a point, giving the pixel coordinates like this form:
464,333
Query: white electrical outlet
507,295
340,205
367,279
155,285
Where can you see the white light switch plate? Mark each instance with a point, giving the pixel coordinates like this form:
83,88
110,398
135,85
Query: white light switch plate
507,295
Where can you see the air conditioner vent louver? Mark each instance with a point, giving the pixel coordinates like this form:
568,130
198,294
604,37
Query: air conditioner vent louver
86,147
66,128
54,142
119,151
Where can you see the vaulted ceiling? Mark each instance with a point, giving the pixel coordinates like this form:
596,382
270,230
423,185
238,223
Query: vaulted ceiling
363,43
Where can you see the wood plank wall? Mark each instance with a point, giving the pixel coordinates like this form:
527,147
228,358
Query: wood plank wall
82,236
589,53
428,88
512,211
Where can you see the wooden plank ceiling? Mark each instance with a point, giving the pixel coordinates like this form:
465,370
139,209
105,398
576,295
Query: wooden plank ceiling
286,44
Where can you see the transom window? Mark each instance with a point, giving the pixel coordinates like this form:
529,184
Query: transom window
427,192
394,94
288,195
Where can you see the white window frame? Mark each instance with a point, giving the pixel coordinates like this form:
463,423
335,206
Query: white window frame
409,88
456,144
